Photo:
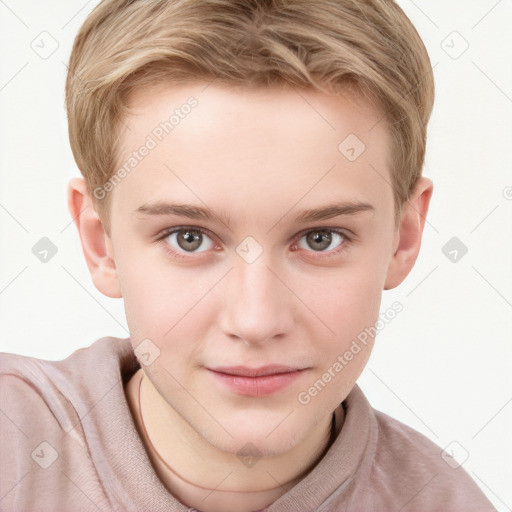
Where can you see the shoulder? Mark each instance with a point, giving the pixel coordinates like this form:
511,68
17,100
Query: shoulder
43,405
411,467
30,386
103,351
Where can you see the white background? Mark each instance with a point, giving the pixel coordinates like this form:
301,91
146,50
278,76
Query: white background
442,366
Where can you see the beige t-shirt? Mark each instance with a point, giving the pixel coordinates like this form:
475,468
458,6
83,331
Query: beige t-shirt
69,443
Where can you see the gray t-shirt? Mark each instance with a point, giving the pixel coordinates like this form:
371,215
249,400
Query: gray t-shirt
69,443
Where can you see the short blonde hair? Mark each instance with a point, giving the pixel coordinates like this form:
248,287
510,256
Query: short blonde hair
328,45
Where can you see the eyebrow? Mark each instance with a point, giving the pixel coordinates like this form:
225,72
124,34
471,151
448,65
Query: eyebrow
161,208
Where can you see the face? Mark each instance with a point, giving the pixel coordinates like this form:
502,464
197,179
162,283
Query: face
247,236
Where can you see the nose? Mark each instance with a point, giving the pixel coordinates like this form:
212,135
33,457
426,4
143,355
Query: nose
257,305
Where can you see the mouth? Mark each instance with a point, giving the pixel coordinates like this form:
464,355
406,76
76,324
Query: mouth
245,371
256,382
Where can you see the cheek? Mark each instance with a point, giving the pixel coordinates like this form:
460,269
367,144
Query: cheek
347,301
351,309
152,301
167,306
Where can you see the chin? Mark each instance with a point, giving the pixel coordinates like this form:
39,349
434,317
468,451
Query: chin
262,438
245,446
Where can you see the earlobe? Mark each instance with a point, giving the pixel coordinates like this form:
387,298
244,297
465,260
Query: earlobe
409,234
96,244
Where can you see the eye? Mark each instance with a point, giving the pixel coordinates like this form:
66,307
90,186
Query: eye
188,240
322,240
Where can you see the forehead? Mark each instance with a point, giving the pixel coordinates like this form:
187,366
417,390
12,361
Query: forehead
226,143
286,107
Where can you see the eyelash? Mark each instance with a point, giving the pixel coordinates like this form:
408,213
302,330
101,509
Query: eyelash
321,254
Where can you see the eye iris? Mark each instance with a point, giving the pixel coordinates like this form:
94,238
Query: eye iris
194,238
324,238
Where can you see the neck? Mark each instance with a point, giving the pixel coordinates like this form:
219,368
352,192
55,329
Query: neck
212,480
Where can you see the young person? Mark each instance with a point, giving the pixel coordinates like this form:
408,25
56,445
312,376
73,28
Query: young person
251,183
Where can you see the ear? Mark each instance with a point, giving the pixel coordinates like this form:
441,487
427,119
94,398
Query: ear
96,244
408,235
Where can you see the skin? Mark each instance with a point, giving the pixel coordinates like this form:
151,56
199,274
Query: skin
258,157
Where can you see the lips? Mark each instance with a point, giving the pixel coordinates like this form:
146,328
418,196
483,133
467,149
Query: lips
245,371
255,382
